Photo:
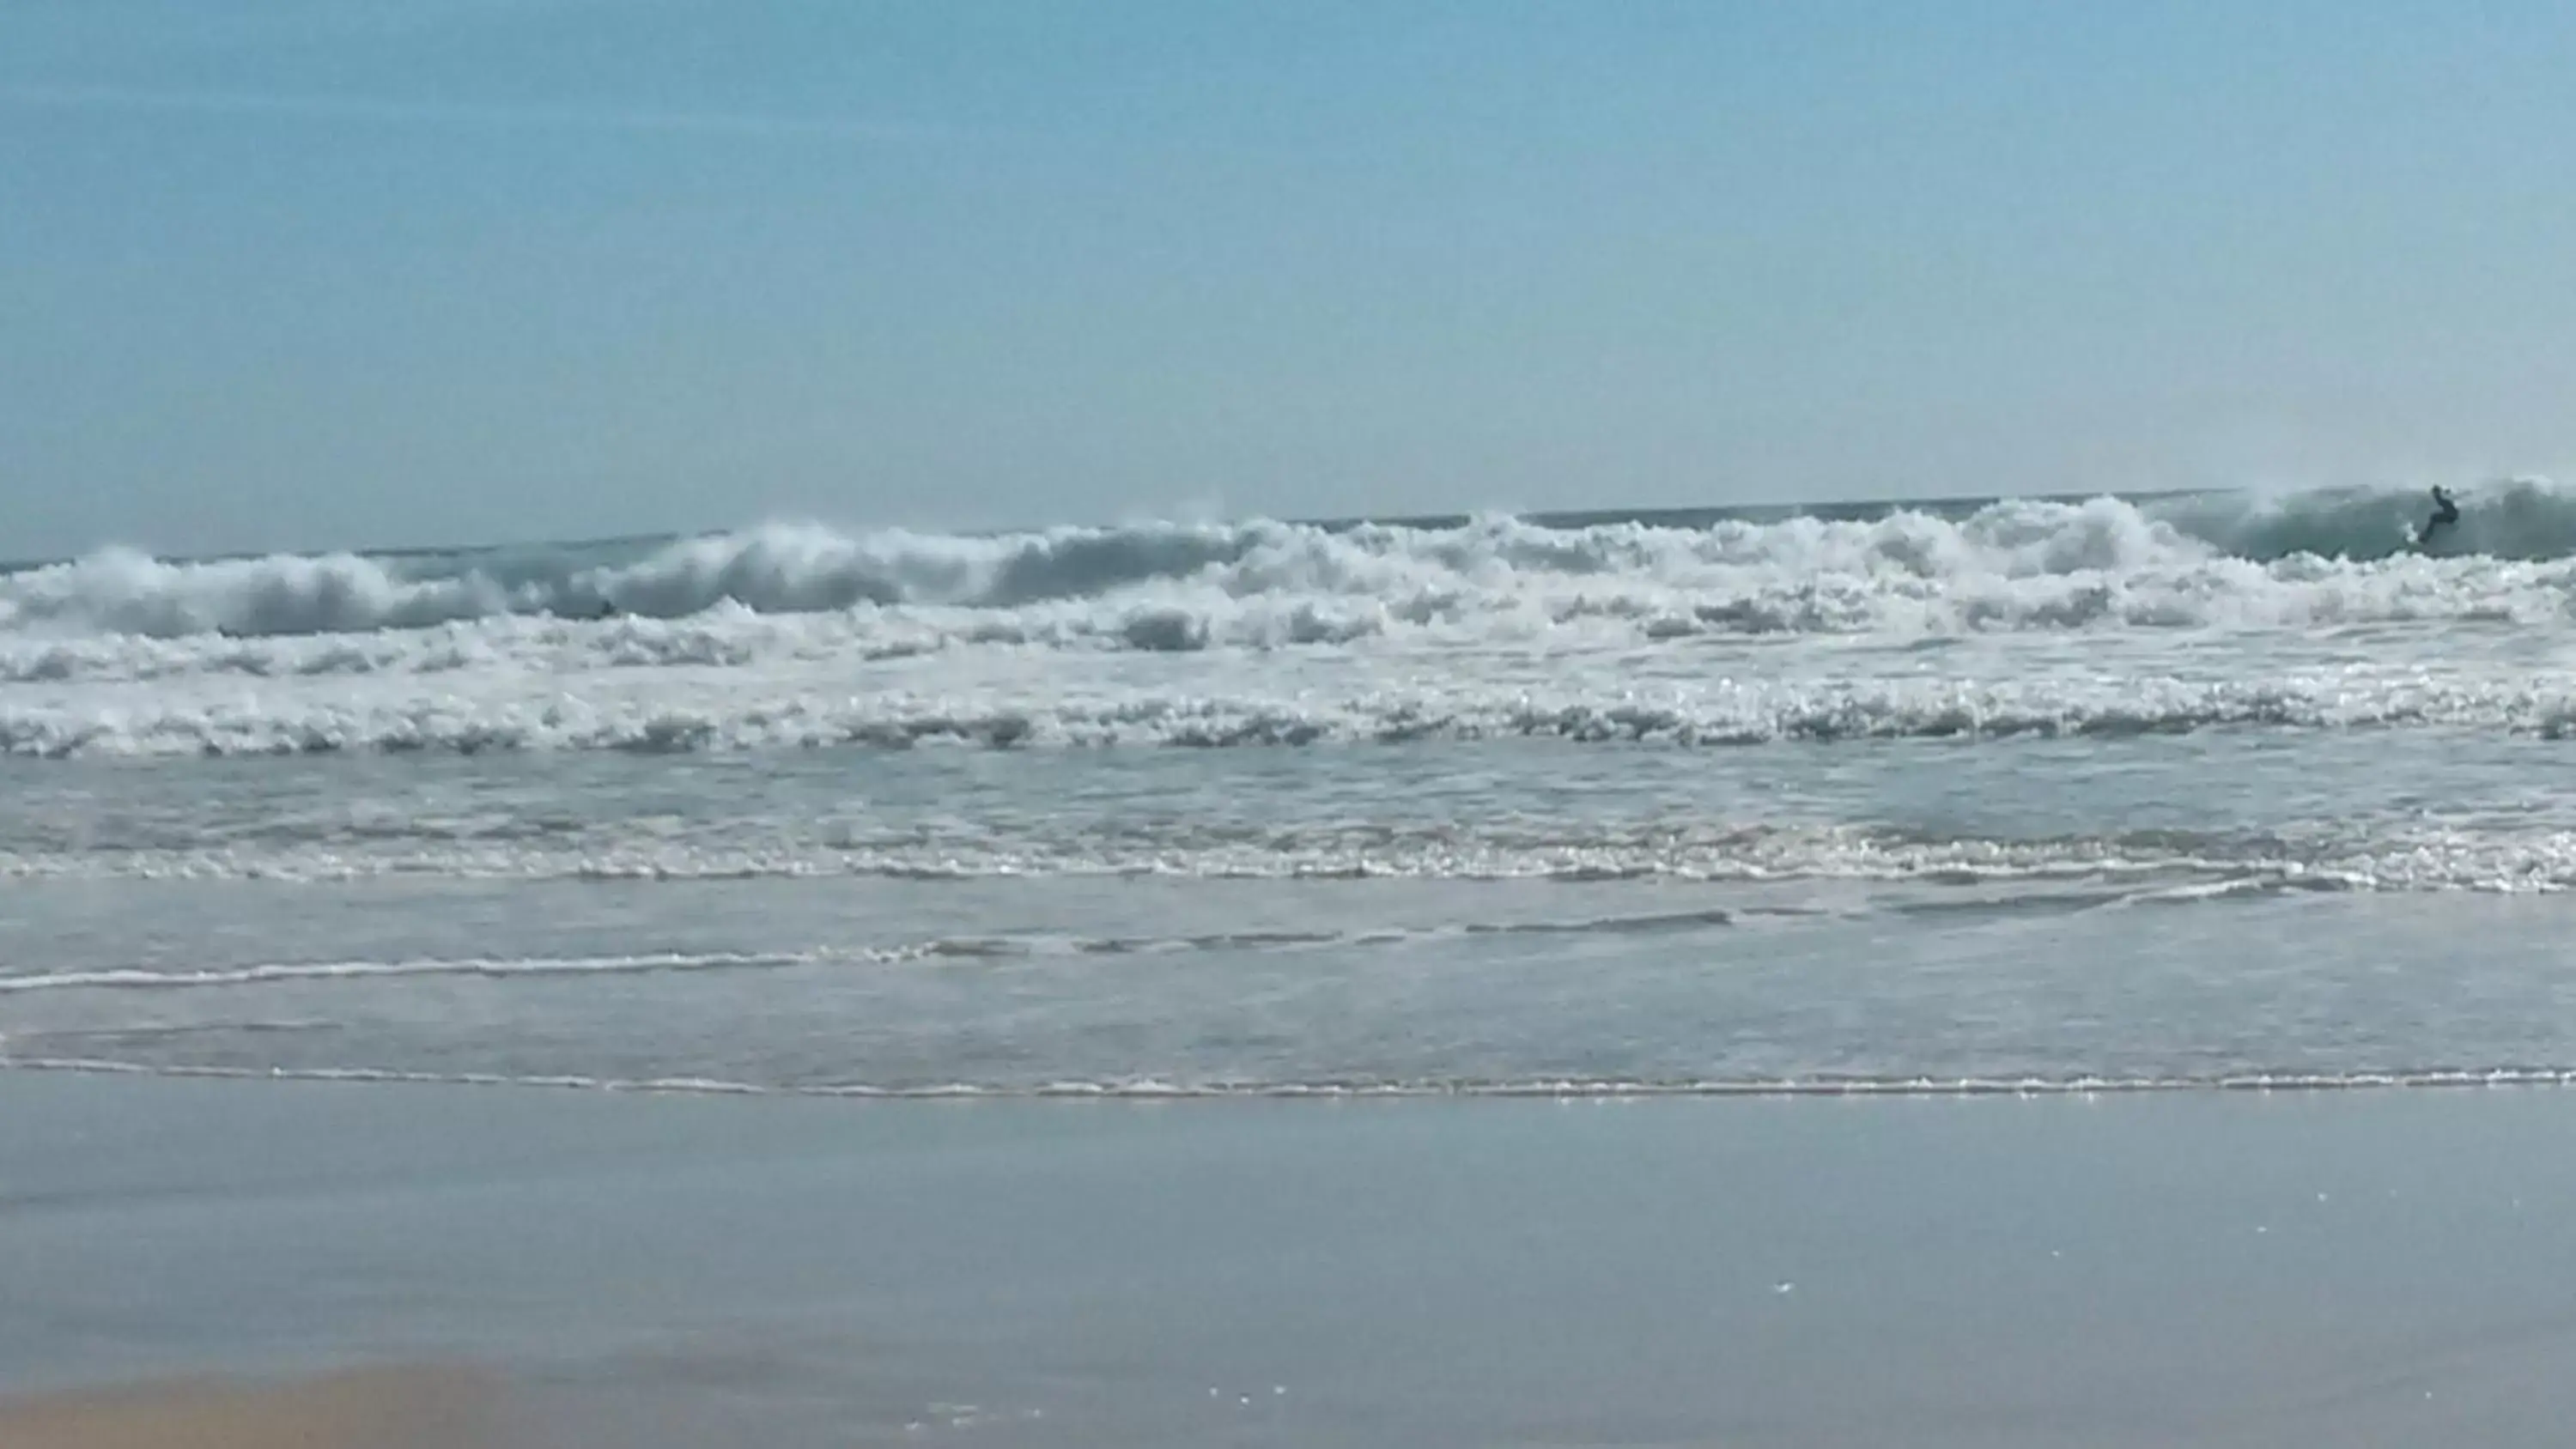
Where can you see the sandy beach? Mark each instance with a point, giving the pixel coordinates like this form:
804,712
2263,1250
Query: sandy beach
2201,1269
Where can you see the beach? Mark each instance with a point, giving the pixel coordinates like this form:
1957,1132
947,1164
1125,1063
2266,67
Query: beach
2022,972
2192,1268
1209,727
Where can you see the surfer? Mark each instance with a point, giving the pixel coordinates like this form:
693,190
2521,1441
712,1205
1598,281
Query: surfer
2446,512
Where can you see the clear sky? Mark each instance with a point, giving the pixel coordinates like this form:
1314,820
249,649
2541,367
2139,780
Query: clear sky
293,273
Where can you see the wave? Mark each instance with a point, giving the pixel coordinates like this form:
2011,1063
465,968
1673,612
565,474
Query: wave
1726,712
2499,1077
142,979
972,948
2130,868
2323,556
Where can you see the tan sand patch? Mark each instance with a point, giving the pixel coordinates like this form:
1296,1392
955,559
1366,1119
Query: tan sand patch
371,1409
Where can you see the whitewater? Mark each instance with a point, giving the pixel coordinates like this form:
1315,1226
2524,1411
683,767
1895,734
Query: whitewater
2173,561
1698,628
2169,790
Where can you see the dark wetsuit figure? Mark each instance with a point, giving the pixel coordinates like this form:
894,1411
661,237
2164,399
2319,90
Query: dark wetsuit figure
2446,511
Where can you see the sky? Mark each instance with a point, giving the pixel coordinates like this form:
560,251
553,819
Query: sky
326,273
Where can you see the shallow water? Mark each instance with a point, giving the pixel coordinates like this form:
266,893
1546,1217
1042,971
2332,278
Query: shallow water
2028,794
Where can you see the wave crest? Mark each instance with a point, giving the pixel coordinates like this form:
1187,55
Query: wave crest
1159,586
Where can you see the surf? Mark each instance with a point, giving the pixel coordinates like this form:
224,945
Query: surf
1165,585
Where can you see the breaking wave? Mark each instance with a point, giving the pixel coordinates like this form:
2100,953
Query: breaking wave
2330,556
771,714
2114,870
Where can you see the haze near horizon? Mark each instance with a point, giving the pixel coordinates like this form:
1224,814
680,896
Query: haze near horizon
296,274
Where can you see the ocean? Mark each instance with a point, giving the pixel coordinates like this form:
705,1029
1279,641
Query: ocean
2168,792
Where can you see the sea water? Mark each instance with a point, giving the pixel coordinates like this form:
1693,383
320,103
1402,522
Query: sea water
2161,791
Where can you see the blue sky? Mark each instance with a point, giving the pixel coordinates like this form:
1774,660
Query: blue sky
322,272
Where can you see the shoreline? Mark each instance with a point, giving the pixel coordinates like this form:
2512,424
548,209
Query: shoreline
2427,1079
2200,1269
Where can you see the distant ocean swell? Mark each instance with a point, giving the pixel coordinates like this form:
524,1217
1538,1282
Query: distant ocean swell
2218,559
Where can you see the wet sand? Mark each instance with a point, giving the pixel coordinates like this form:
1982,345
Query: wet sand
378,1409
2357,1268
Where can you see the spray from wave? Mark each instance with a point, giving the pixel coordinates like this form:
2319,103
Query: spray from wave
1173,586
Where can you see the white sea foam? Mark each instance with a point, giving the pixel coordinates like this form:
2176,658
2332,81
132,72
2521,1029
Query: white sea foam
2499,1077
938,949
1712,632
1603,700
146,979
2140,868
2014,565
